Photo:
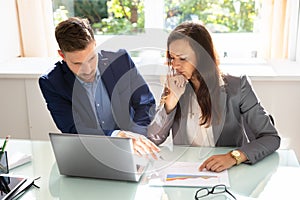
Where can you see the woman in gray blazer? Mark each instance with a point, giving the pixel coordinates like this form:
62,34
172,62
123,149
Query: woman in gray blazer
204,107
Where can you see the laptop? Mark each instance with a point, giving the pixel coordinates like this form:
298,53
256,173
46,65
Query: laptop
96,156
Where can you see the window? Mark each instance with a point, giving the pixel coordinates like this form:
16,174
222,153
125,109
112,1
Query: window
106,16
240,28
233,23
220,16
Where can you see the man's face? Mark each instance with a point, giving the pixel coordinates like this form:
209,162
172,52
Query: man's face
82,63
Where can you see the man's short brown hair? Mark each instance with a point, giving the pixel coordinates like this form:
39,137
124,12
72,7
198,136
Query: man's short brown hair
74,34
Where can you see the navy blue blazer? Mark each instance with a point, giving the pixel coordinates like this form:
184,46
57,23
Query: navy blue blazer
132,103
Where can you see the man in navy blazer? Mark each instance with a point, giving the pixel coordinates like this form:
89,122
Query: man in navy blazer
94,92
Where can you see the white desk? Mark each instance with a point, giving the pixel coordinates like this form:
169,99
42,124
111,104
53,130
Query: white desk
246,180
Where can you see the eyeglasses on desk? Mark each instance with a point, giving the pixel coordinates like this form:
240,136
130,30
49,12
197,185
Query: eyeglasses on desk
217,189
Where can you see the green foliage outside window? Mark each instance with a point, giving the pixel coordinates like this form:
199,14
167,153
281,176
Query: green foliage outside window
106,16
94,10
127,16
218,15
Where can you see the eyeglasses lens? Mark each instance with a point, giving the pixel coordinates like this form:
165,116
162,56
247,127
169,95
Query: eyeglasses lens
202,193
218,189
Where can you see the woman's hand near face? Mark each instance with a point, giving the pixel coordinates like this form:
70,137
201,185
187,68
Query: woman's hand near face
176,85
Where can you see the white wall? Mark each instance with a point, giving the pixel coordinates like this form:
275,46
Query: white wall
23,112
281,99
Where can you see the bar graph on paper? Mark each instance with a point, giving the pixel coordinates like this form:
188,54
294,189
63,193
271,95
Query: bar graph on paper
187,174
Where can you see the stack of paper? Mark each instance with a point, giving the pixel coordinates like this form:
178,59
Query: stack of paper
18,159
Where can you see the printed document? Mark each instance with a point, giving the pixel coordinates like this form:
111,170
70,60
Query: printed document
184,174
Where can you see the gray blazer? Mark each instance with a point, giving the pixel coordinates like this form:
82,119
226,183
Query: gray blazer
244,123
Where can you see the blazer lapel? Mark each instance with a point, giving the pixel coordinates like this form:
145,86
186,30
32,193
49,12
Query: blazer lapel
81,99
218,125
109,81
107,74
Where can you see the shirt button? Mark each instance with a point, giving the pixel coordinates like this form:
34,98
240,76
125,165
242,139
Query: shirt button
98,105
102,122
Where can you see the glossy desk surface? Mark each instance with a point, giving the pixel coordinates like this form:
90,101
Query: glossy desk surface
258,181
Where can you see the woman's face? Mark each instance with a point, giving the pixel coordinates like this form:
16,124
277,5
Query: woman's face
183,58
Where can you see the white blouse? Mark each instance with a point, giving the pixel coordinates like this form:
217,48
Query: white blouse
197,135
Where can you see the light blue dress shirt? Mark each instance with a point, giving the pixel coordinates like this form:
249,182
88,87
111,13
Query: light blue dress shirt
101,103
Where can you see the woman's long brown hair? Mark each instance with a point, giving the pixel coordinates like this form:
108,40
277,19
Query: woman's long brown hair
207,71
